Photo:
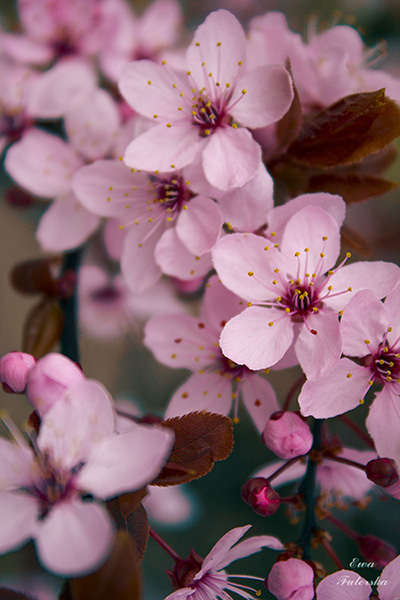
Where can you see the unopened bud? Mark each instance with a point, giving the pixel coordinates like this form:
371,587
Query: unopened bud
375,550
287,435
14,369
382,471
291,579
261,496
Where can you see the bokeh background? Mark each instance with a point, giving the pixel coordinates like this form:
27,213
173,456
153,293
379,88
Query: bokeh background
127,369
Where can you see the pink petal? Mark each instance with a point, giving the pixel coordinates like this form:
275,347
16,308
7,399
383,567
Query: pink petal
107,187
306,229
175,259
390,574
392,303
291,579
42,163
381,277
86,533
24,49
345,480
65,225
383,424
180,341
237,255
15,465
220,43
292,473
114,238
137,263
365,318
92,124
159,24
342,586
127,461
318,353
202,391
86,410
199,226
246,208
159,97
280,215
19,513
219,304
249,547
248,339
269,94
169,505
219,551
163,148
259,399
52,92
335,393
230,158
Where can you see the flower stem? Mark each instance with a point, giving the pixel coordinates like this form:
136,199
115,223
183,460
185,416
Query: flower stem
345,461
175,557
308,490
69,345
349,532
330,551
283,467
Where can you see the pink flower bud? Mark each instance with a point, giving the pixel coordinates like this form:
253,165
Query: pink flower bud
49,378
263,499
291,579
382,471
373,549
14,369
287,435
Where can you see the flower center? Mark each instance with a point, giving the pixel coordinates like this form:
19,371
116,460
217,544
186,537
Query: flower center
172,193
207,116
52,484
385,364
106,295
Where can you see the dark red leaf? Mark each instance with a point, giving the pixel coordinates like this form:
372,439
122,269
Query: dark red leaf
36,276
43,328
133,522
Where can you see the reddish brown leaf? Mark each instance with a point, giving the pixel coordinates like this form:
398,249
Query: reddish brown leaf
118,579
352,186
201,439
134,523
131,502
43,328
6,594
354,240
347,131
36,277
289,127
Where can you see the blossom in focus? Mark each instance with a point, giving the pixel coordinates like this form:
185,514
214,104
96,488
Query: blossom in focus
209,580
291,300
356,587
291,579
184,341
53,492
199,113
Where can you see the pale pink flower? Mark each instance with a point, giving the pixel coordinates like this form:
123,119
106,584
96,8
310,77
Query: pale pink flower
108,309
137,37
211,580
51,493
351,586
370,331
184,341
287,435
49,378
14,369
200,112
291,300
169,228
291,579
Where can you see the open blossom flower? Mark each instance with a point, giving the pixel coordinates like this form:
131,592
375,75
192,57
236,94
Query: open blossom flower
370,332
179,340
208,580
291,300
51,493
350,585
200,112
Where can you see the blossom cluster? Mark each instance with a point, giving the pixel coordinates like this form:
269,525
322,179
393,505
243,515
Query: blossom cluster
199,170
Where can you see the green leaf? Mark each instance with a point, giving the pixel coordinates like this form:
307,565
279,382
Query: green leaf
201,438
347,131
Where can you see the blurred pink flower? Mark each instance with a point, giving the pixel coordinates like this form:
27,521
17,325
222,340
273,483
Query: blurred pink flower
14,369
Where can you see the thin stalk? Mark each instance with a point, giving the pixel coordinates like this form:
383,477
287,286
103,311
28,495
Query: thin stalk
349,532
346,461
69,345
331,553
283,467
175,557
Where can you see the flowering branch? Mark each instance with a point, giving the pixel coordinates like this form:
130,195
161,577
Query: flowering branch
69,339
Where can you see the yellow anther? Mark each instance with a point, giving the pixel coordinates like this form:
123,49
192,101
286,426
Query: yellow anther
108,199
367,341
270,324
227,85
185,207
274,281
386,349
127,205
163,62
180,108
349,289
324,238
172,166
329,273
121,158
236,420
136,222
219,44
244,91
306,274
249,304
306,249
149,82
207,131
349,375
250,273
297,253
194,113
267,371
381,362
322,254
174,85
234,125
210,74
340,313
240,63
197,43
276,270
188,72
173,355
370,382
229,226
348,254
287,310
121,227
169,125
390,329
330,287
266,248
361,400
150,220
315,309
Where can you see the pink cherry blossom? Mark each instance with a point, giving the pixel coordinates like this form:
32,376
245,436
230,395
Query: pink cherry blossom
349,585
370,331
211,580
179,340
291,300
168,228
291,579
199,112
77,452
14,370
